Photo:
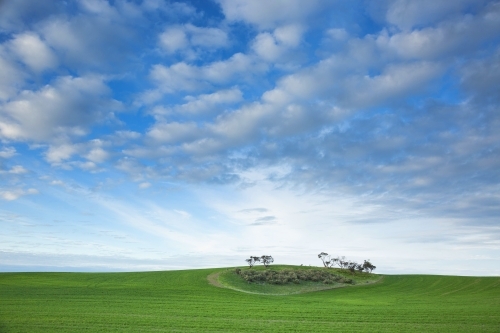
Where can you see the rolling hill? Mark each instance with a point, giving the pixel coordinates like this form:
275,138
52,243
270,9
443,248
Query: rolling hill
184,301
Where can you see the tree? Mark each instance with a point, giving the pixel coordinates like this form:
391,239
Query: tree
341,262
351,266
368,266
325,258
266,260
252,260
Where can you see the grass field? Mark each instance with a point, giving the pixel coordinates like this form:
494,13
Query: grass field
184,301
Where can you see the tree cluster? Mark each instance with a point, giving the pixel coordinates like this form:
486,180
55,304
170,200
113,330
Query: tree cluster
288,276
265,260
343,263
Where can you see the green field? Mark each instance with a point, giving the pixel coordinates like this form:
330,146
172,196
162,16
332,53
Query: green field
184,301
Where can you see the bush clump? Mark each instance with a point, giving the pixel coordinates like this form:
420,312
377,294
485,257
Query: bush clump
288,276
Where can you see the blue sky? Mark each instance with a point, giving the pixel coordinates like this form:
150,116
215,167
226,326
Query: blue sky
147,135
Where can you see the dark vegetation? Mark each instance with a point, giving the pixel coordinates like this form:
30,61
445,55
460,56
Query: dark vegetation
343,263
287,276
265,260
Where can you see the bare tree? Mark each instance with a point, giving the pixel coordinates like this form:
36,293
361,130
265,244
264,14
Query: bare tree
342,262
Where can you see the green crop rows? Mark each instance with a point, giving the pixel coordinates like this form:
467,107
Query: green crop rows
183,301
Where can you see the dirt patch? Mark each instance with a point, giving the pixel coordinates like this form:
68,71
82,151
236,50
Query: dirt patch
213,279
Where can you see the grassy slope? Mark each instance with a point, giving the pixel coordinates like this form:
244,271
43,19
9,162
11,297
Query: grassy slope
183,301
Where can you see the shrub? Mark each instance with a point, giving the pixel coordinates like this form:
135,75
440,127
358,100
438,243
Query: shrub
287,276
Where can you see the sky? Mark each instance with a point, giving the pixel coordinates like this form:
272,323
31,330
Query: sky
142,135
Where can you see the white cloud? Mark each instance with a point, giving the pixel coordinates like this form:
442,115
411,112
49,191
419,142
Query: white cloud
289,35
65,108
337,34
238,65
7,152
448,38
202,104
172,9
182,37
16,15
268,14
60,153
144,185
185,77
10,195
88,165
93,151
33,51
11,76
207,37
407,14
92,39
173,132
178,77
273,46
130,135
265,46
100,7
97,155
174,39
394,82
17,170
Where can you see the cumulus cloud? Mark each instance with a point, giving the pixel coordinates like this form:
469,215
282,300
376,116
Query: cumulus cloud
57,154
67,107
11,75
406,14
33,51
178,38
15,170
16,15
94,151
89,41
202,104
182,76
174,39
451,37
268,14
174,132
397,111
272,47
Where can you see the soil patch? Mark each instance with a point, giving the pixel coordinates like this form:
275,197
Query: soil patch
213,279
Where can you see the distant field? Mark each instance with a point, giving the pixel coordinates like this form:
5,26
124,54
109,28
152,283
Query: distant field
184,301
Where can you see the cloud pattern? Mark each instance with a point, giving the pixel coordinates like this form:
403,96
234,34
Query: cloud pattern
396,105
